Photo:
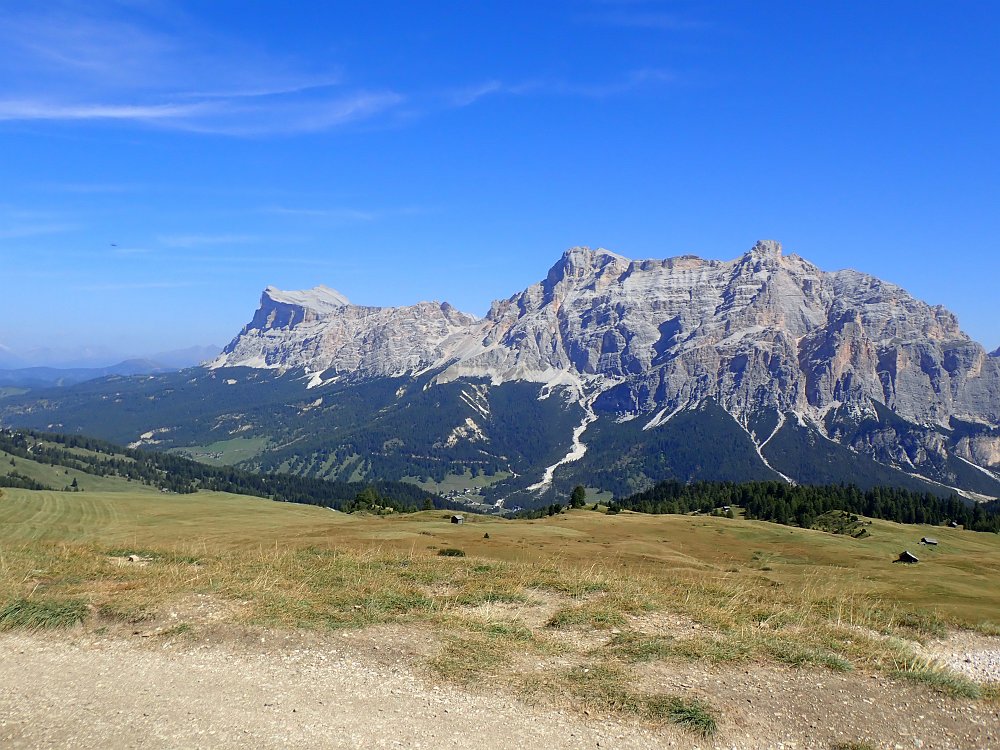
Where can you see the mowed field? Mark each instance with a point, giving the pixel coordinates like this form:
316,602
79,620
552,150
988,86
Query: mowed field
957,579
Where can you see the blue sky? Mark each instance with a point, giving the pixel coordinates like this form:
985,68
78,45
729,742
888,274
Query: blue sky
162,162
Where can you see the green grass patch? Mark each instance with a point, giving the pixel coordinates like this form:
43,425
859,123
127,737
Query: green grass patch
943,681
693,715
597,617
39,614
607,687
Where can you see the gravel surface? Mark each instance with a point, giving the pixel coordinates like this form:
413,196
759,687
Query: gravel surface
975,656
355,690
89,693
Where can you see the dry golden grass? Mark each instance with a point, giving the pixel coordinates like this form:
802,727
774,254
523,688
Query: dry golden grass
554,607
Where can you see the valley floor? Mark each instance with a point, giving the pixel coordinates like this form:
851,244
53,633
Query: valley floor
268,689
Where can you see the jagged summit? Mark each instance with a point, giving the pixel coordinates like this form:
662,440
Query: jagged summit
318,298
319,330
765,330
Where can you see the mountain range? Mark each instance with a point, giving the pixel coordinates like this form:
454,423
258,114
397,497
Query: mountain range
609,372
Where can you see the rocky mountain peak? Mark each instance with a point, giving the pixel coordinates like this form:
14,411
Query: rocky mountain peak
766,249
320,298
580,265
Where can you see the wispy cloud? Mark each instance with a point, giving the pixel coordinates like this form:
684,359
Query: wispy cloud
629,82
149,64
47,110
20,223
139,63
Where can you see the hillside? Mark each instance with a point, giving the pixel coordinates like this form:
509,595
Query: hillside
738,625
41,461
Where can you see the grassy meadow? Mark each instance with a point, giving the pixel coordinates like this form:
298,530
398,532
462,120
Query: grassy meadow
588,594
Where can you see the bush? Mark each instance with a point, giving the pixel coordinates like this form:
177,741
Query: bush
451,552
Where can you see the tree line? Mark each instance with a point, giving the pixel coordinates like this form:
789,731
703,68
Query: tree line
800,505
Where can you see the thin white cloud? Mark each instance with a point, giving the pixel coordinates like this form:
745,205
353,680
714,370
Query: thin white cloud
627,83
42,110
155,66
151,64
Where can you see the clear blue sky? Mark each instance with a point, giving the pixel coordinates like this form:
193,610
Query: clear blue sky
161,162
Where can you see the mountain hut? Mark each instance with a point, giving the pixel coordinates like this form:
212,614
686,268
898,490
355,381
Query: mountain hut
907,557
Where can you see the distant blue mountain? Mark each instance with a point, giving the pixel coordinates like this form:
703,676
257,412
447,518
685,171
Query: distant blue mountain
46,377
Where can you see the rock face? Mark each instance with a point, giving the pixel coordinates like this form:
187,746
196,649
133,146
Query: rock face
764,333
320,330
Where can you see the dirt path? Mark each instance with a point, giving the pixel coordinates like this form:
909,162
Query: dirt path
89,693
276,690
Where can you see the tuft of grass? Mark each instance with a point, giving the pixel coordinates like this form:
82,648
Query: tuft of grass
451,552
852,746
922,622
801,656
634,647
597,617
607,687
693,715
37,614
942,680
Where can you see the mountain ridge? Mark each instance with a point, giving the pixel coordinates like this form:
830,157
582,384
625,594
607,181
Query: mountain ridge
611,372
